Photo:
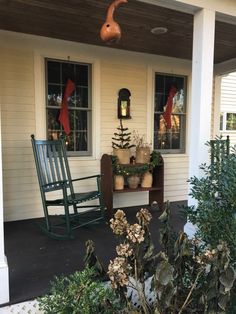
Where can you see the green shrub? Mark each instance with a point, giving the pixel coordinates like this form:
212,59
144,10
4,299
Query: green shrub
79,293
215,192
215,213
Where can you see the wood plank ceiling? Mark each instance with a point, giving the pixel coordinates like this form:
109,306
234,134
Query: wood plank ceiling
81,20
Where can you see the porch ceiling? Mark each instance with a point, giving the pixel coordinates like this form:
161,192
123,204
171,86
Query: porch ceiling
81,20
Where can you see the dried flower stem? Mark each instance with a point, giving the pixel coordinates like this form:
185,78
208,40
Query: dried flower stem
140,291
190,292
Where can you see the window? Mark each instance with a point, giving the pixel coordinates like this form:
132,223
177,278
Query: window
228,121
79,104
170,113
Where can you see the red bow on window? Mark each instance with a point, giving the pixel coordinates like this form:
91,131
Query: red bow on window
169,105
64,112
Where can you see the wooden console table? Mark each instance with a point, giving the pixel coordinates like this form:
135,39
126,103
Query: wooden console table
156,192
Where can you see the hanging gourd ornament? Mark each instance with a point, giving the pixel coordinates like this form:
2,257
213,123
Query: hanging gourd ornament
110,31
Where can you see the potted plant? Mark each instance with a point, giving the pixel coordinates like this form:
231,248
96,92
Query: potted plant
118,176
121,144
147,177
143,148
134,173
131,172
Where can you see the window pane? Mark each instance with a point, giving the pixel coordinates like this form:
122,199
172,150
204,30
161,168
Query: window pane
71,100
81,75
81,120
178,102
82,141
70,142
54,95
54,75
160,83
160,101
82,97
54,128
68,72
231,121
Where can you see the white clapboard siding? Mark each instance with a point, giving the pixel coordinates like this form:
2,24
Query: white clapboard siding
118,69
228,101
228,93
176,176
18,122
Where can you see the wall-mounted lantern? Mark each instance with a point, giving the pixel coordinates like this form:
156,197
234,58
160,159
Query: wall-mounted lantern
123,109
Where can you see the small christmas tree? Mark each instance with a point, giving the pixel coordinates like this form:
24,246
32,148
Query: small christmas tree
122,138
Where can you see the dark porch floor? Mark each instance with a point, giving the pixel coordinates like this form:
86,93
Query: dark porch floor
34,259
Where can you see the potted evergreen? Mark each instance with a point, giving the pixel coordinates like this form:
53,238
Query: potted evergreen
121,144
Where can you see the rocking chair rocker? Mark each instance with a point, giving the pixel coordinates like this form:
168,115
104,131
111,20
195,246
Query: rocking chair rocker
57,190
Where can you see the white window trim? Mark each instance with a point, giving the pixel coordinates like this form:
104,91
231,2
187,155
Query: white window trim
40,105
151,71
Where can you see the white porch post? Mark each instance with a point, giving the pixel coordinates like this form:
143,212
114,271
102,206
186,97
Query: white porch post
4,278
201,98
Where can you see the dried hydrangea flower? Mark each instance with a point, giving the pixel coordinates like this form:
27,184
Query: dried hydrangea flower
118,272
124,249
135,233
206,257
144,216
119,223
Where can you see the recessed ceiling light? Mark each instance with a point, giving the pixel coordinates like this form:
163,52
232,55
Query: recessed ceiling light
159,30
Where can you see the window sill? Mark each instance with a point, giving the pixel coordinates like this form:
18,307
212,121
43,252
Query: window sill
82,158
173,155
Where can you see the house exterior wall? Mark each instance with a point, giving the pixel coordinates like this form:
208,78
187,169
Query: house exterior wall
228,101
23,109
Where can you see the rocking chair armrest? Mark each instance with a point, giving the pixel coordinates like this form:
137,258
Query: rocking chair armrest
50,185
84,178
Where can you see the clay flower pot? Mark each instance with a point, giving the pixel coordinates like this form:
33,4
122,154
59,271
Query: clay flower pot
147,179
133,181
123,155
119,182
142,155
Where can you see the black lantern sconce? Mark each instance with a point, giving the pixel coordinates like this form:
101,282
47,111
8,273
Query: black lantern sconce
123,109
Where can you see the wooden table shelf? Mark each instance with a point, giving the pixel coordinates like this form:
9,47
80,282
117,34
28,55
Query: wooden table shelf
156,192
138,189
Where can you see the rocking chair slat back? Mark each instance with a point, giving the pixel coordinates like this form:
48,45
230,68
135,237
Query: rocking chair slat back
51,165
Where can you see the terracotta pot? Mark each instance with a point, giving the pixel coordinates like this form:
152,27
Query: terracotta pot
133,181
123,155
147,179
119,182
142,155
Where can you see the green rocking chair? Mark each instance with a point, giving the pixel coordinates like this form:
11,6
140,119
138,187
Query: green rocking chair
57,190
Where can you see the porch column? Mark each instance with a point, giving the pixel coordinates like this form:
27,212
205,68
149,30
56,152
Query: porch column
4,278
199,124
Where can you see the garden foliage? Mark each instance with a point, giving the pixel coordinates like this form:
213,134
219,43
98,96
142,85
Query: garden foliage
187,276
215,192
183,278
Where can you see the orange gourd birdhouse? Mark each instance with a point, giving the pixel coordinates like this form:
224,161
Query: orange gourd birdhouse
110,31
